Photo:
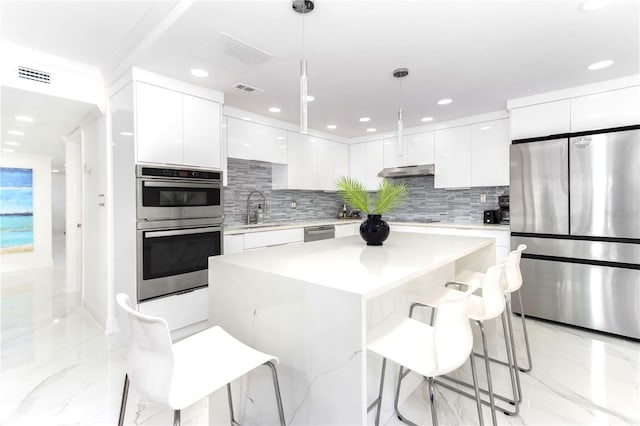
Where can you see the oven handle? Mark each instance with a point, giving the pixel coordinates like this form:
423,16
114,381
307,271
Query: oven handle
156,234
165,184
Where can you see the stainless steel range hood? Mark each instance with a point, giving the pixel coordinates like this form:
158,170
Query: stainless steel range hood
422,170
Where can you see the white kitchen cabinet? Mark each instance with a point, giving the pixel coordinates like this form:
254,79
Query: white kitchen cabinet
347,229
176,128
180,310
453,157
253,141
233,244
417,149
490,153
614,108
333,163
302,171
253,240
365,162
545,119
393,154
158,128
420,148
201,130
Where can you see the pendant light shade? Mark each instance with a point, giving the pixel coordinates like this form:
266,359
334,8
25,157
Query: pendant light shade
303,7
303,96
399,73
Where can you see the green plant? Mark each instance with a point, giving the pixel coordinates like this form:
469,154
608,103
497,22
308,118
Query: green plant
390,195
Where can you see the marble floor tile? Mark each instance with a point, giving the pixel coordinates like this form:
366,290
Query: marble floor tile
58,368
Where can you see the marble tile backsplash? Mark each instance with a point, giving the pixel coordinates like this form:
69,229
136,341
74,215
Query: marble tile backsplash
423,202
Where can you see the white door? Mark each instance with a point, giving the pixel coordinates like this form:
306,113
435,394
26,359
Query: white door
73,205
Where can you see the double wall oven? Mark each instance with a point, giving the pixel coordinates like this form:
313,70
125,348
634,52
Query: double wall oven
179,225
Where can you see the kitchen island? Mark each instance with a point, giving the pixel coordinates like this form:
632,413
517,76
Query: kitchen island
312,304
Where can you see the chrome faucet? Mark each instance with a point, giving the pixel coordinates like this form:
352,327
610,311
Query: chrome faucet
264,203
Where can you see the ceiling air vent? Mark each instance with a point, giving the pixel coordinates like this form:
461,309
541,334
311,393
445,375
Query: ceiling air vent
35,75
247,89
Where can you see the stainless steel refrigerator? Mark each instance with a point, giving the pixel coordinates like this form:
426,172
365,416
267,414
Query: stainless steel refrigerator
575,203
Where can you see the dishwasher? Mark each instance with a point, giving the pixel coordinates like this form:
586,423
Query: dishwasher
321,232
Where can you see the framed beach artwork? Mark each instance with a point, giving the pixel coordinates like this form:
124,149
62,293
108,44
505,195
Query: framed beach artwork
16,210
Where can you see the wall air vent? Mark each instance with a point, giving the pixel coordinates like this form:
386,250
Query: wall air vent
247,89
35,75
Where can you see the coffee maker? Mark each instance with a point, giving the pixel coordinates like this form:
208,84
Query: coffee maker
503,211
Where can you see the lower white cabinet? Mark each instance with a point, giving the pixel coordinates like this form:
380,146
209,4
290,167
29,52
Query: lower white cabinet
254,240
233,244
180,310
347,229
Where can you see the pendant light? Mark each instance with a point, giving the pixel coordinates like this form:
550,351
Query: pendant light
399,73
303,7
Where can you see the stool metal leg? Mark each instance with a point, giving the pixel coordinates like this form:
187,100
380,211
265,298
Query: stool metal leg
526,335
401,375
514,374
378,400
123,403
477,390
488,368
513,349
176,418
276,387
231,415
432,398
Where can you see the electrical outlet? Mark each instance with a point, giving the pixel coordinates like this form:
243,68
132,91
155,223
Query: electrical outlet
483,197
294,204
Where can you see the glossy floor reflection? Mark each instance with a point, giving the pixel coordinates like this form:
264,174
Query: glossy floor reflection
57,367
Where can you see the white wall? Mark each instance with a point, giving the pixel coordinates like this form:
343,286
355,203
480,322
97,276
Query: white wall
95,230
41,255
58,202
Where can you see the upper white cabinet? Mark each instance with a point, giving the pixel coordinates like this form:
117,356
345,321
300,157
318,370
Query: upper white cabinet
614,108
365,162
541,120
201,130
453,157
420,148
416,149
253,141
333,163
176,128
490,153
302,161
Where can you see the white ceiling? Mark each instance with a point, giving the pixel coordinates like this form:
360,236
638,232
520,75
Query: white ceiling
480,53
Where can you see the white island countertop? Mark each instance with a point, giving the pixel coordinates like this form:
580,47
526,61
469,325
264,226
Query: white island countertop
348,264
312,305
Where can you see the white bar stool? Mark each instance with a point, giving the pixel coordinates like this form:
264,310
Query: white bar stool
177,375
489,306
430,351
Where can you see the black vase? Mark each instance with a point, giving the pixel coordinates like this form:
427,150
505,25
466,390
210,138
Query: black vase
374,230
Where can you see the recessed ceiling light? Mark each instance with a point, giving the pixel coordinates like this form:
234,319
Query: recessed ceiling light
55,171
126,133
599,65
426,119
8,150
332,126
246,118
591,5
197,72
445,101
280,138
12,143
310,98
16,132
364,119
274,109
24,118
371,129
485,127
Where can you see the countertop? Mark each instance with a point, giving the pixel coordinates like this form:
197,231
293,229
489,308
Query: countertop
348,264
245,229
